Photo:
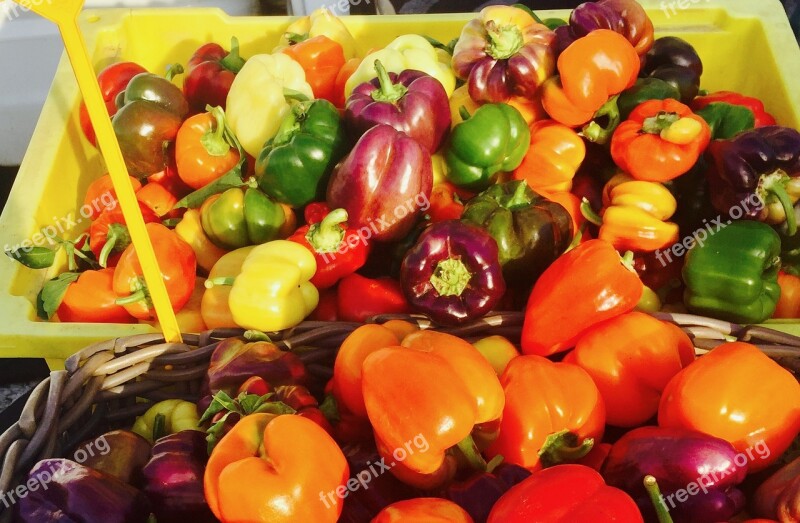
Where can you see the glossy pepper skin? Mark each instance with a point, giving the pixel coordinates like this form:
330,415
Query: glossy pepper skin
779,496
478,493
383,183
564,494
113,80
494,139
211,71
411,101
109,237
789,302
583,287
359,298
631,358
591,70
677,458
643,90
553,413
214,306
761,117
241,217
625,17
91,299
190,230
675,61
453,273
205,148
553,158
660,140
707,396
144,129
504,52
423,510
726,120
530,231
758,172
321,22
321,59
252,475
734,274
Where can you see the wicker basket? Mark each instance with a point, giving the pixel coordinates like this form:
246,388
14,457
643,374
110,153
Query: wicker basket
108,384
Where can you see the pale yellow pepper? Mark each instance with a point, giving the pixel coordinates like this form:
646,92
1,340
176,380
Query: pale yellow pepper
321,22
190,230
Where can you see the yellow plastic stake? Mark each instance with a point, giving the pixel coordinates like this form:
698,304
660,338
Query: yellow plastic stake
64,13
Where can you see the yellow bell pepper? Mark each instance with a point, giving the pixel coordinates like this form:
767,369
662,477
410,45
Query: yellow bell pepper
190,318
214,306
273,291
257,104
190,230
320,23
405,52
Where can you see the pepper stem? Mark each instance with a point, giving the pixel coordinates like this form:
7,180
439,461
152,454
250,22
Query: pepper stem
473,456
135,297
293,94
589,213
594,132
627,261
223,281
662,512
233,61
173,71
504,40
159,427
659,122
563,446
464,113
287,130
327,235
389,92
296,38
450,277
775,185
213,140
519,198
117,239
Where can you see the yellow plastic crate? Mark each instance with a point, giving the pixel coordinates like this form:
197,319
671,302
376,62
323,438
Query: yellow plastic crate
746,46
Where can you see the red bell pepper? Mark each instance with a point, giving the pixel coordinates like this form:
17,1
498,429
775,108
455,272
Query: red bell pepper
113,80
211,71
321,58
91,299
360,297
763,118
446,204
109,237
564,494
160,200
101,196
327,308
338,249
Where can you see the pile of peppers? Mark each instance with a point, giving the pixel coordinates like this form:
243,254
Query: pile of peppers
573,170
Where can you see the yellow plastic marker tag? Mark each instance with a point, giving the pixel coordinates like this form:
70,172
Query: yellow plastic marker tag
64,13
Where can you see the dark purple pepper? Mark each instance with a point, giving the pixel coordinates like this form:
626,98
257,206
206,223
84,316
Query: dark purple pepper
696,473
588,17
676,62
478,494
174,478
412,102
453,273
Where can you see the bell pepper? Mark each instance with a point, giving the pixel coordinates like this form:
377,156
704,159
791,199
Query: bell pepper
726,120
123,456
144,129
572,204
85,298
453,273
338,249
733,274
359,298
660,140
411,101
112,80
583,287
321,22
321,59
179,273
493,140
643,90
169,177
101,196
158,198
498,351
554,156
404,52
478,493
158,90
294,166
383,183
241,217
626,17
446,204
253,475
789,302
530,231
190,317
205,148
504,52
675,61
190,230
257,103
631,358
697,474
166,417
211,71
779,496
423,510
553,413
273,291
757,174
564,494
347,70
530,109
109,237
707,396
761,117
591,70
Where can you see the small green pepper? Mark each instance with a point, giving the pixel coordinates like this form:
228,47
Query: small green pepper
495,139
727,120
733,274
240,217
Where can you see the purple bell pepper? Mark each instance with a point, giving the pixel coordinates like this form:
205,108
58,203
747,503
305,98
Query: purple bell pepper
478,494
696,473
453,273
412,102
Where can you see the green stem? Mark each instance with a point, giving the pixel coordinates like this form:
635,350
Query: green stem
471,453
563,446
159,427
327,235
389,92
222,281
214,140
233,61
106,251
662,512
661,121
254,335
451,277
296,38
288,128
590,214
173,71
594,132
494,463
136,297
775,184
520,197
627,261
464,113
292,94
504,40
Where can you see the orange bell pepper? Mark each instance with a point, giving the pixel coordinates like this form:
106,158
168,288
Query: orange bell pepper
789,302
158,198
738,394
553,413
581,288
631,358
344,74
660,140
572,204
423,510
263,471
90,298
555,154
101,196
321,58
205,149
591,70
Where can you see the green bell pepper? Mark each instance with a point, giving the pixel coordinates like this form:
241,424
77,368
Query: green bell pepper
495,139
530,231
726,120
733,274
643,90
294,166
240,217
